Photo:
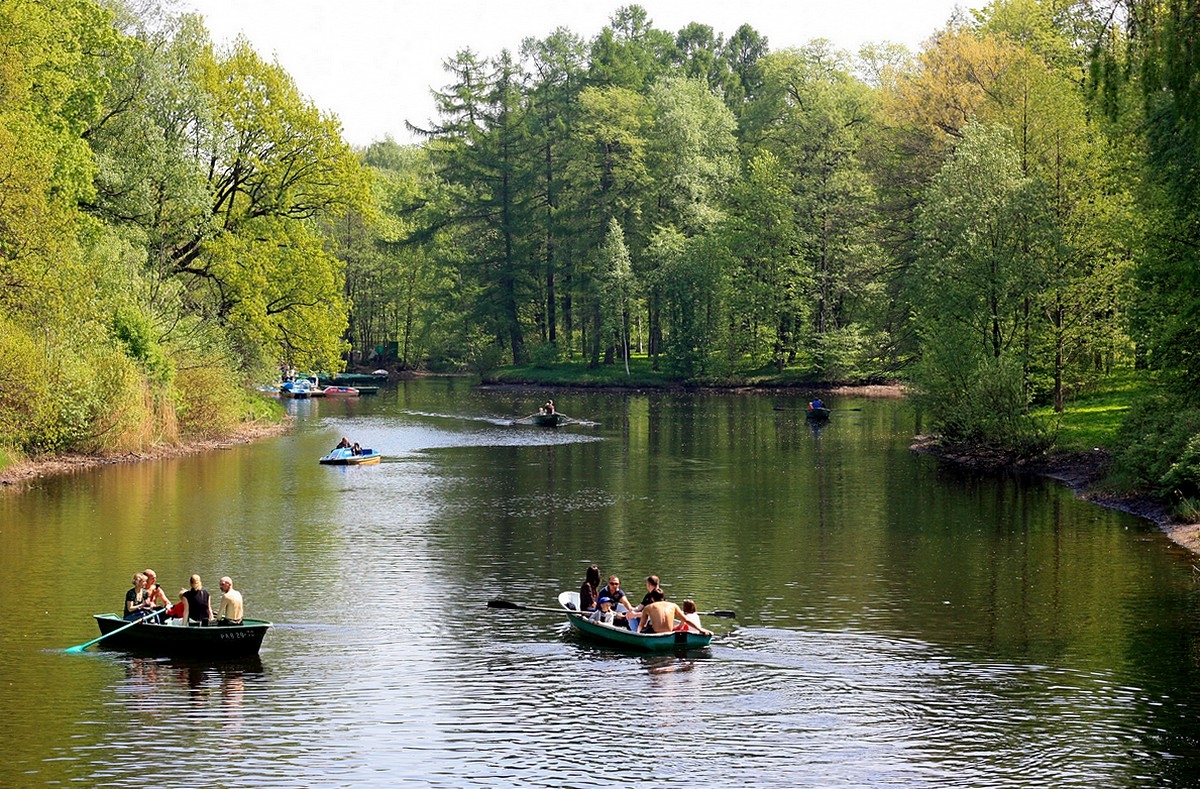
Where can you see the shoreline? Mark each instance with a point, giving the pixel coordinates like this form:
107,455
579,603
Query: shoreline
23,473
1083,473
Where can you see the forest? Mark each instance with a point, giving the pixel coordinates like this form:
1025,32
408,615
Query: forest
1006,220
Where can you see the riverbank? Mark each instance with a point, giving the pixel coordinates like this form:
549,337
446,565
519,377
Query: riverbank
26,471
1082,472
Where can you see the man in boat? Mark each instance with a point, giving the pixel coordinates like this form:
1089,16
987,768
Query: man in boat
231,603
343,444
548,408
154,593
617,597
660,615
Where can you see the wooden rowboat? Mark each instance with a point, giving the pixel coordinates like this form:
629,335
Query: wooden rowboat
548,420
678,640
207,643
346,457
817,414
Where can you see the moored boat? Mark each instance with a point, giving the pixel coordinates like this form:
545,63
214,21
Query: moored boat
208,643
299,389
340,391
624,637
345,456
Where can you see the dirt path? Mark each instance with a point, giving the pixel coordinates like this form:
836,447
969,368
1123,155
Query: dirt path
17,475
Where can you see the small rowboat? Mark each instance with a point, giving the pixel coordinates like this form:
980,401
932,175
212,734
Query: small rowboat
340,391
208,643
548,420
624,637
345,457
818,414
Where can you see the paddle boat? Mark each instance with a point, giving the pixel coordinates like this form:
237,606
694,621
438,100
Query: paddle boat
299,389
176,641
340,391
624,637
344,456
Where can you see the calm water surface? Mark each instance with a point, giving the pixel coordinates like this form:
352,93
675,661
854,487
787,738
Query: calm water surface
898,624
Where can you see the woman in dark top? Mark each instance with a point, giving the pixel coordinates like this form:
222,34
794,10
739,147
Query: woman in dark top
589,590
199,607
136,603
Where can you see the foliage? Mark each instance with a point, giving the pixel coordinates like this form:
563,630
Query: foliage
1158,449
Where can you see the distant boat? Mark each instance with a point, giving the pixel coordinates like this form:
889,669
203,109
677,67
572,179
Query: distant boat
818,414
209,643
299,389
548,420
344,456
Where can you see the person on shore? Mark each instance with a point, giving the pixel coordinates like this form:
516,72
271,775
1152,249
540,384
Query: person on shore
136,603
589,589
231,603
604,614
660,615
199,605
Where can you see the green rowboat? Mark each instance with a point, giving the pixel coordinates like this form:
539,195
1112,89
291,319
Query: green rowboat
678,640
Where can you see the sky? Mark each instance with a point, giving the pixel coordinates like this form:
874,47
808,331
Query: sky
373,63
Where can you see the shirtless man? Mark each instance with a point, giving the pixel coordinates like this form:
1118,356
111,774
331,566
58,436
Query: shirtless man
231,603
154,592
660,615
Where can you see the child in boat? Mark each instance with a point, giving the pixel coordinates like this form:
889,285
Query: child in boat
604,614
690,617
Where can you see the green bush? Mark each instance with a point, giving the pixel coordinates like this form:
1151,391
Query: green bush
1158,449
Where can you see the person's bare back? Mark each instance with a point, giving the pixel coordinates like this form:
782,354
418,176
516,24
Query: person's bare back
660,616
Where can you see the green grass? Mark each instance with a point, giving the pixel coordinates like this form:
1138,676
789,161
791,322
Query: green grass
577,373
1092,418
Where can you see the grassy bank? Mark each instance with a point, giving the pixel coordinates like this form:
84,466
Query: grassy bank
1092,419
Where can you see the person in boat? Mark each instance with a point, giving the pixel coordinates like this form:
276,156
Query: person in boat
343,444
178,610
815,404
617,597
231,603
136,602
660,615
691,619
652,583
356,449
548,408
198,606
154,593
589,589
604,614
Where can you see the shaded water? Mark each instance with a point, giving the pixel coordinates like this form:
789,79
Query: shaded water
898,624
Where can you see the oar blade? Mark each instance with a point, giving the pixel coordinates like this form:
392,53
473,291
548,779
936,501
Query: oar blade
503,604
725,614
76,648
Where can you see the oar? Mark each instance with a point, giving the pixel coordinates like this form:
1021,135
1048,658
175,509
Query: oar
519,607
82,647
725,614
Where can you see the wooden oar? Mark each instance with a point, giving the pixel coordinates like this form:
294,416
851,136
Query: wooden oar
725,614
81,647
519,607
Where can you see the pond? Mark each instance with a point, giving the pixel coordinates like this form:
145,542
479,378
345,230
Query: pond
898,623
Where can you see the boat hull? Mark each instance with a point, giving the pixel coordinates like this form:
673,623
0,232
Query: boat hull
344,457
204,643
627,639
548,420
817,414
340,391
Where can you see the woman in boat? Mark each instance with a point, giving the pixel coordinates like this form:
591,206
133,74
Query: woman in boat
198,606
589,589
136,601
356,449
